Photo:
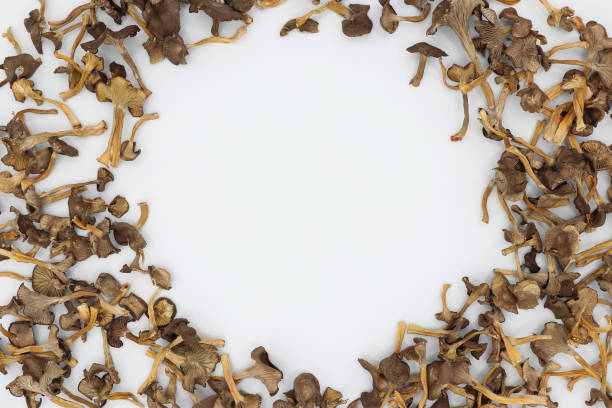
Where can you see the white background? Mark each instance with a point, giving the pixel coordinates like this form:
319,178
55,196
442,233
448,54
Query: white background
303,194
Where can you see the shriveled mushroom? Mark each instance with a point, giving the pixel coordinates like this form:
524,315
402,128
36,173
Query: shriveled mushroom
425,51
356,21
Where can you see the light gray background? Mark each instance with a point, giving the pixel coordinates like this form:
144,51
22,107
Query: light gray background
303,194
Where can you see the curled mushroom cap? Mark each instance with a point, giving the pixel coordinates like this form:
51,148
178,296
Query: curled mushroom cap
116,330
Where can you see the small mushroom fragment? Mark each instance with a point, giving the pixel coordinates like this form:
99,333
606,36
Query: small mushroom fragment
124,97
307,390
23,334
425,51
309,26
356,21
162,19
390,20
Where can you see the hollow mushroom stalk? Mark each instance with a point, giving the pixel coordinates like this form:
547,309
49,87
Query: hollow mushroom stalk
425,51
390,20
73,15
159,357
124,97
79,37
464,76
220,40
128,148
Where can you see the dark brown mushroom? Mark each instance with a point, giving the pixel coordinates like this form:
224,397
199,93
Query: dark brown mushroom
425,51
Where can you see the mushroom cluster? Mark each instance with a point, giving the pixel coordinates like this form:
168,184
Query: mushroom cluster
548,185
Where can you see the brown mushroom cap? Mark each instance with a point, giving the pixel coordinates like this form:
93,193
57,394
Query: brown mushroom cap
20,66
307,389
119,206
108,285
359,23
44,281
427,50
24,334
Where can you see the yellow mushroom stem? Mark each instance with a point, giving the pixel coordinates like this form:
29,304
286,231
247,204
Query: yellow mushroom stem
88,227
145,118
602,246
19,257
60,196
537,132
515,151
397,397
213,342
510,2
134,14
63,402
481,291
504,205
415,19
151,313
9,36
517,399
90,65
466,120
66,187
484,119
269,3
159,357
26,183
332,5
112,153
222,40
79,37
126,396
514,356
229,380
401,331
76,12
512,248
414,329
485,199
77,398
3,82
603,355
6,333
15,276
577,44
93,316
451,353
517,341
486,378
125,288
385,399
